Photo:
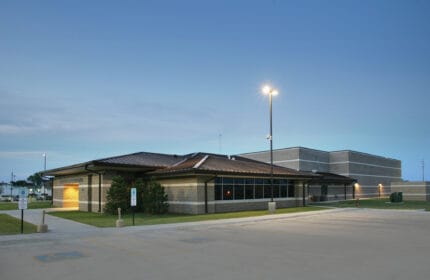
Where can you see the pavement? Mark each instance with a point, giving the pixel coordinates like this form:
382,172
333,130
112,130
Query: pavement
333,244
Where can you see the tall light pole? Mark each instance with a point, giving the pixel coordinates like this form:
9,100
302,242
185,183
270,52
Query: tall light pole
12,179
268,90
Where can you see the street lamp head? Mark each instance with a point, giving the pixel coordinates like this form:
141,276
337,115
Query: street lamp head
266,89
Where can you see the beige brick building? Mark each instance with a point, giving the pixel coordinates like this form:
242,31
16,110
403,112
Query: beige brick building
195,183
373,174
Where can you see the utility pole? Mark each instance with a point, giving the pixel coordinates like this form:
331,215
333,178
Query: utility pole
12,176
422,166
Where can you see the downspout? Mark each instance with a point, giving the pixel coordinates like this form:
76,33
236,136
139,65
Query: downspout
100,186
206,193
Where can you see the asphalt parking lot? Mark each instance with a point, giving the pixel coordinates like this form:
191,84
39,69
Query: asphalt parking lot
341,244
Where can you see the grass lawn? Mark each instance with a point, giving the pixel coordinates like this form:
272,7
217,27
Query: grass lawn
31,205
106,220
383,203
10,225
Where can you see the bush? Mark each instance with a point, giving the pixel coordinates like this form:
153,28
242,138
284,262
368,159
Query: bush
396,197
151,197
118,196
154,198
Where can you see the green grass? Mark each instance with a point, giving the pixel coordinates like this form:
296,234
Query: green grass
11,225
382,203
31,205
106,220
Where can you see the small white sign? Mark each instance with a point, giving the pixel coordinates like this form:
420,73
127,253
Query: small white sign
22,203
133,197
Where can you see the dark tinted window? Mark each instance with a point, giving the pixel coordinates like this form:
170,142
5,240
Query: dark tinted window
228,192
284,190
238,192
249,192
258,191
218,192
267,191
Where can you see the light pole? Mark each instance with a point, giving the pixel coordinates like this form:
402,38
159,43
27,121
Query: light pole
268,90
12,179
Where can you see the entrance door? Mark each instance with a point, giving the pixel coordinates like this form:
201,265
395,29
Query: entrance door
71,195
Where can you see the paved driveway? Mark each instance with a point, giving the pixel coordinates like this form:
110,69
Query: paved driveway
341,244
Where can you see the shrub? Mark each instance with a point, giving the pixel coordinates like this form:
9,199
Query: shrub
154,198
151,197
396,197
118,196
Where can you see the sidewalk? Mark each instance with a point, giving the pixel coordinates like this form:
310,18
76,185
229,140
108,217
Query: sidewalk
58,227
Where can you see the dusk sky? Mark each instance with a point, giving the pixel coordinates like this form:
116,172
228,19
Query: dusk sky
82,80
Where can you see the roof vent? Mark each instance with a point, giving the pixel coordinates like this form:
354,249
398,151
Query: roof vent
233,158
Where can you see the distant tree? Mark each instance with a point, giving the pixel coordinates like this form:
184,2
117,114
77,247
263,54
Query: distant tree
36,179
21,183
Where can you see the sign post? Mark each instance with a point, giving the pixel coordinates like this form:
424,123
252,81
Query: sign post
133,201
22,204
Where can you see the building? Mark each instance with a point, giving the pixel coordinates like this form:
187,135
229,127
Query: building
413,191
195,183
373,174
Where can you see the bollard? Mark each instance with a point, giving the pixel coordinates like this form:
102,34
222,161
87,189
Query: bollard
42,228
119,222
357,202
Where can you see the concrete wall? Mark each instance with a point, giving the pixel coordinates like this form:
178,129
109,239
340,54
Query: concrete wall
413,191
184,195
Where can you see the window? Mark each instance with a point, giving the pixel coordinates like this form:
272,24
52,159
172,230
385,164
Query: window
258,191
267,191
218,191
275,191
284,189
249,191
291,189
228,192
230,188
238,192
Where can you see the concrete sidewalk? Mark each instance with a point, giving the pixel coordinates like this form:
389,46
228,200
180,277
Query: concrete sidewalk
58,227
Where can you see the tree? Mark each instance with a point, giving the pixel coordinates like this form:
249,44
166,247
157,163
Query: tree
118,196
21,183
154,198
36,179
151,197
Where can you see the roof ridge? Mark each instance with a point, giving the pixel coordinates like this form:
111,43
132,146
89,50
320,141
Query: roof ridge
197,165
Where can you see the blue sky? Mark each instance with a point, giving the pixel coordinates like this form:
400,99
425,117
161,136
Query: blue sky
81,80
